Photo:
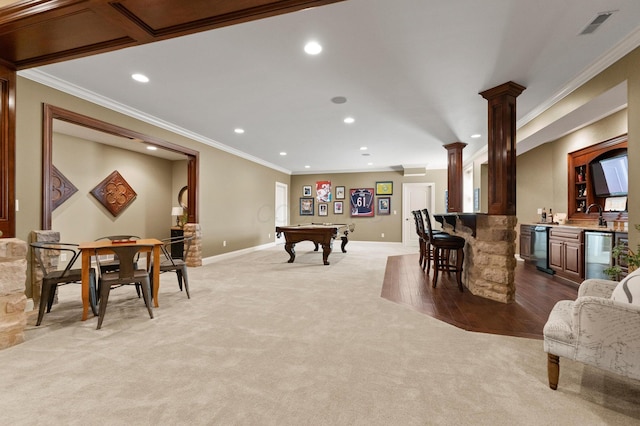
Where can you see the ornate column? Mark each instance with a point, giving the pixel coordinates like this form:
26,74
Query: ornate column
13,275
454,176
194,257
502,147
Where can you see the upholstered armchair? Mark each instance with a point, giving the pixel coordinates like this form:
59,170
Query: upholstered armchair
600,328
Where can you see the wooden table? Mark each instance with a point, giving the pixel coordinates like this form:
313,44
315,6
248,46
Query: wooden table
317,233
90,249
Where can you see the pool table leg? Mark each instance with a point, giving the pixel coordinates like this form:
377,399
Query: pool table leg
344,243
289,247
316,245
326,250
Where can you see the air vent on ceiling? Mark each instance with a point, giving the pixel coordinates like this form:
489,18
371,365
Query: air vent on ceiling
596,22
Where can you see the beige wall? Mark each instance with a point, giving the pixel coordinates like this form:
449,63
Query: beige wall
86,164
237,196
542,176
367,228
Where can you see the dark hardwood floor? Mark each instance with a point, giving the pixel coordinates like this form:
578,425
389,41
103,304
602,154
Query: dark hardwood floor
536,293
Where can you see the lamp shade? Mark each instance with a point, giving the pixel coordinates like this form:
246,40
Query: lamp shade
176,211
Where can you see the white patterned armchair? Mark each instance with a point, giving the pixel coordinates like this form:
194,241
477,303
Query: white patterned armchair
596,329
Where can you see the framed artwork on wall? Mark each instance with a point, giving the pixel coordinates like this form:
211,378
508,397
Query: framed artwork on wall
384,205
362,202
384,188
306,206
306,191
339,192
323,209
323,191
337,207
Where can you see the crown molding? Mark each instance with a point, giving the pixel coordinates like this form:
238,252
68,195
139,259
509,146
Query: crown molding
87,95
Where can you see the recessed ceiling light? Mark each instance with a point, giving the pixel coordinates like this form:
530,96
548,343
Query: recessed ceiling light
338,99
369,164
313,48
283,153
152,148
239,131
349,120
476,136
363,148
141,78
307,167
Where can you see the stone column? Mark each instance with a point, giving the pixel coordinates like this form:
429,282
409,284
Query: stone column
194,257
13,277
50,259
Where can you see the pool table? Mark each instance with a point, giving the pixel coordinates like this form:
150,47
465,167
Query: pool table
318,233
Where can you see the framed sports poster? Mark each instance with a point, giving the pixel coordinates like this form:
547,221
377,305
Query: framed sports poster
337,207
384,205
306,206
323,191
362,202
384,188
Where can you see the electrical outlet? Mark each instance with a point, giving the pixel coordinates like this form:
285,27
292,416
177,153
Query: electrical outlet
63,257
269,235
382,235
224,244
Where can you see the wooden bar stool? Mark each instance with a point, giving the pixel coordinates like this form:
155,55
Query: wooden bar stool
422,238
442,244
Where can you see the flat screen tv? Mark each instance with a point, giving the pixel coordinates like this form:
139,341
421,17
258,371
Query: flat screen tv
610,176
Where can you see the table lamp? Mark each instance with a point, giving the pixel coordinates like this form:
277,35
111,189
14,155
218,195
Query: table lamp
177,212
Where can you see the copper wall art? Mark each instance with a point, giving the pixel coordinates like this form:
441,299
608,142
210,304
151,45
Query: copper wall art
61,188
114,193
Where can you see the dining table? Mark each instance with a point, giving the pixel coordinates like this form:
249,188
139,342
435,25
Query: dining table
100,247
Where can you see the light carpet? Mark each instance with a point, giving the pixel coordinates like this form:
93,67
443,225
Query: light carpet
265,342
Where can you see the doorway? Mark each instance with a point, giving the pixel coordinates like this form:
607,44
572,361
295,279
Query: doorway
415,196
282,208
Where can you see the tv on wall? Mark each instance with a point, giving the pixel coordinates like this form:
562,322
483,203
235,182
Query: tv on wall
610,176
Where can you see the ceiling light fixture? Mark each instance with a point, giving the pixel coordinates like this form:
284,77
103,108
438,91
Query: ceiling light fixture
349,120
363,148
313,48
476,135
283,153
307,166
239,130
152,148
141,78
338,99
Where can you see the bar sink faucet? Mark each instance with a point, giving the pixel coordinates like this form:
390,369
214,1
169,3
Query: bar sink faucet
601,221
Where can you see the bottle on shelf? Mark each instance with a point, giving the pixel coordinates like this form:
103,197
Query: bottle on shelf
550,216
543,218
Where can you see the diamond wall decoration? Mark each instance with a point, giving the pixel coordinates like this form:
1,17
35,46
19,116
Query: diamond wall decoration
61,188
114,193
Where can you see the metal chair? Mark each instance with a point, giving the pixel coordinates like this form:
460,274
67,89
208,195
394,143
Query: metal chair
169,263
51,278
127,273
112,265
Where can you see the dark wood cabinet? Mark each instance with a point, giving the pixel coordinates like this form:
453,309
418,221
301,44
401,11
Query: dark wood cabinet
526,250
177,250
566,252
580,190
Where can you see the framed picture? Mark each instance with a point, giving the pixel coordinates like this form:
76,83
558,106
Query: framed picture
306,206
339,192
323,209
384,188
362,202
337,207
384,205
323,191
306,191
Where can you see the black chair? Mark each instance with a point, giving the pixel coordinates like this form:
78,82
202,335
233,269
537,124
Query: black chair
127,273
442,244
169,263
422,238
52,278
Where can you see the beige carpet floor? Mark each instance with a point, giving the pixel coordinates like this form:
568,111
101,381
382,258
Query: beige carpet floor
264,342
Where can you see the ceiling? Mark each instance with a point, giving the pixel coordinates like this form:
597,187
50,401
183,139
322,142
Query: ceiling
410,71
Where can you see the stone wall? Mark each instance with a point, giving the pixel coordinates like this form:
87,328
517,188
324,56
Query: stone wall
13,276
490,262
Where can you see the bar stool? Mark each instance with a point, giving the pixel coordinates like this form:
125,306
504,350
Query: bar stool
422,238
441,246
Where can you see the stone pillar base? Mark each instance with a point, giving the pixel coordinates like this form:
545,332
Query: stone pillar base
194,257
13,277
490,260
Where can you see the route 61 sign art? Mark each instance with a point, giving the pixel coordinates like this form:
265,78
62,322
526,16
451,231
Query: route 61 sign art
362,202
